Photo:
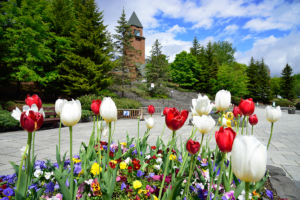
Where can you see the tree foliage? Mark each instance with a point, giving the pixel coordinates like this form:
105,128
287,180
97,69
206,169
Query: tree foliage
157,69
185,70
275,83
287,82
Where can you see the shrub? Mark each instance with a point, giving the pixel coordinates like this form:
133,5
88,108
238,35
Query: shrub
298,106
1,107
235,100
107,93
121,103
283,102
10,105
7,122
85,114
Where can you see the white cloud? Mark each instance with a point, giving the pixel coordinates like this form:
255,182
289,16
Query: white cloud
276,52
231,29
247,37
171,46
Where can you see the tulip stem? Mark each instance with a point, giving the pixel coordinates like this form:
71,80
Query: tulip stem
252,129
20,169
247,187
71,163
138,139
163,131
33,145
109,135
28,159
238,124
243,125
190,174
221,119
220,175
270,135
97,129
247,125
167,165
59,135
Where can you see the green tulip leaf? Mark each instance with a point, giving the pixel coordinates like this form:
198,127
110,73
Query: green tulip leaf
239,189
175,191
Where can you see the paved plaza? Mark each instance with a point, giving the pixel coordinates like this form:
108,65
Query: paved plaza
284,150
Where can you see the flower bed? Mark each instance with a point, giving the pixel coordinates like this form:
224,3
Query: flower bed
133,169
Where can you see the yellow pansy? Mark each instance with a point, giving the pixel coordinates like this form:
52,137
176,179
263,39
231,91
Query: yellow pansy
76,160
80,173
155,197
143,191
114,161
123,165
172,157
137,184
95,169
123,143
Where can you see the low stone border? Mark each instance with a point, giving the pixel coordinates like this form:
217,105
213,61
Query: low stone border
283,185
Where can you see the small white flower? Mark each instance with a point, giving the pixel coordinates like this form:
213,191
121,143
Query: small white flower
157,167
48,175
243,194
159,155
159,161
147,157
54,198
89,182
175,167
23,150
127,160
38,173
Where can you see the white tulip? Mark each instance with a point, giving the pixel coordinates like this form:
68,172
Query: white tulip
150,122
248,158
58,106
70,112
105,131
273,114
202,105
223,100
108,110
194,112
102,126
204,124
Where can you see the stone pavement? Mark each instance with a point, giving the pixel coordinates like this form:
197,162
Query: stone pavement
284,150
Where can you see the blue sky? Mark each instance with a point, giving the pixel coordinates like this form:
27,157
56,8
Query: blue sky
268,29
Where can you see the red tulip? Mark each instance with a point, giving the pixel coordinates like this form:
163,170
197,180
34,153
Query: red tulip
32,121
35,99
175,119
192,146
151,109
166,110
95,106
253,120
247,106
225,138
236,111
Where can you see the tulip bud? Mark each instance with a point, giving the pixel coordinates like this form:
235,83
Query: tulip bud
31,121
192,146
35,99
204,124
151,109
202,105
273,114
222,100
225,138
70,112
166,110
102,126
150,122
247,106
236,111
108,110
253,120
95,106
248,158
58,106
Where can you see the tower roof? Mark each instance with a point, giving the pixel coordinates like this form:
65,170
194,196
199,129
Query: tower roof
134,20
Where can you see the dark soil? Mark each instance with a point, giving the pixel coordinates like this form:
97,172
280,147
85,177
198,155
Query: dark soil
268,186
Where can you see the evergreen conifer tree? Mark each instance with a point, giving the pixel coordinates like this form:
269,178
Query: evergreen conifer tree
127,54
195,50
86,67
157,69
264,82
252,73
287,82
